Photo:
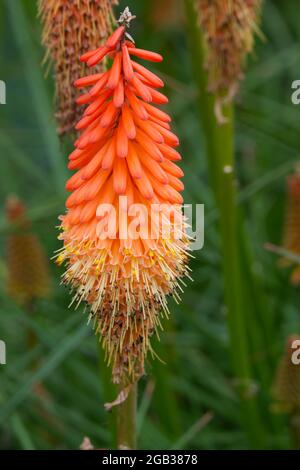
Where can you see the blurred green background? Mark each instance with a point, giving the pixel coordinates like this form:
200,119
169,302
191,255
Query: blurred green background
52,394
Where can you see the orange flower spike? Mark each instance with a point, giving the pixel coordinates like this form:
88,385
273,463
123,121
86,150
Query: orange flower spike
291,228
229,29
28,275
125,150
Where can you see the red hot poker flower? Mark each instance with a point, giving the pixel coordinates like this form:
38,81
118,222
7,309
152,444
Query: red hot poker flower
125,152
291,229
27,264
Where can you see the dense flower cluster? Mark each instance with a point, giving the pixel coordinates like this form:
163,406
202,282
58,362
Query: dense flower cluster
229,27
126,151
27,264
291,235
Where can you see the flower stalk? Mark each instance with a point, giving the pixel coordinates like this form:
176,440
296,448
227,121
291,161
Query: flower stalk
126,420
219,133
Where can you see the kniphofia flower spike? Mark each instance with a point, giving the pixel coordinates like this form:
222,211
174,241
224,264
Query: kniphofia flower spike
291,228
229,29
125,152
28,275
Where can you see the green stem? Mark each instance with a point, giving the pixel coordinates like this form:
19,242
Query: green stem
295,429
110,391
126,420
220,149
